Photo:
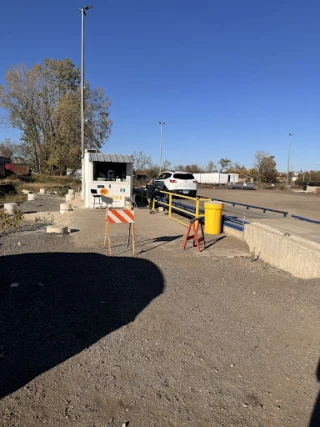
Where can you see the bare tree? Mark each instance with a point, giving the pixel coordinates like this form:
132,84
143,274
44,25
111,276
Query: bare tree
193,168
141,161
211,167
166,165
179,167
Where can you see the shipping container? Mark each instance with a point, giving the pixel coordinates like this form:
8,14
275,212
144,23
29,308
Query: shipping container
216,178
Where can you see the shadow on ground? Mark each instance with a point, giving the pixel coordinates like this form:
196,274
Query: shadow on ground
315,417
64,303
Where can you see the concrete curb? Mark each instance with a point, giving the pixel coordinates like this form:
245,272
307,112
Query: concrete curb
297,255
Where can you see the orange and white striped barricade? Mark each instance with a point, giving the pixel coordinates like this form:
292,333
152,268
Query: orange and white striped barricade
119,216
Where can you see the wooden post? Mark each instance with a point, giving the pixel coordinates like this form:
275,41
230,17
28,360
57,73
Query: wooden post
107,237
129,235
133,243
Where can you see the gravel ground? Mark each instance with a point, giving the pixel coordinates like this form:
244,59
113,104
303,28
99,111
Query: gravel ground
168,338
303,204
43,203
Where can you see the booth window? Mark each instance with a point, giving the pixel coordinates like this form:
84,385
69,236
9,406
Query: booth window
104,171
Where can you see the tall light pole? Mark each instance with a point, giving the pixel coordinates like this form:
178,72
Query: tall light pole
288,168
83,14
161,125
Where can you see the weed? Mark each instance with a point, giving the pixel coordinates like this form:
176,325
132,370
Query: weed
10,221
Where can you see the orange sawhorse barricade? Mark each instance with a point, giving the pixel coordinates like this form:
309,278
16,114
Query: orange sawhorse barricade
119,216
194,225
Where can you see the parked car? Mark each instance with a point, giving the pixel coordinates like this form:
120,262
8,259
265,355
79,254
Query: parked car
177,182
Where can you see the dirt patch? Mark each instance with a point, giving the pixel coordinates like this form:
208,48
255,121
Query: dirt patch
167,338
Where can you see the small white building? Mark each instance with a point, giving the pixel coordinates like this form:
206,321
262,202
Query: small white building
112,173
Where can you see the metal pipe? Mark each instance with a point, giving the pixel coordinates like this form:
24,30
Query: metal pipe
161,124
83,14
288,168
82,82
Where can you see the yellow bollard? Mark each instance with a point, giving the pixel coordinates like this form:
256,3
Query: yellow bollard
213,217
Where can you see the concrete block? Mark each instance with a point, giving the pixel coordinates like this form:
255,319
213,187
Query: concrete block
57,229
25,191
65,207
71,191
69,197
42,191
31,196
298,256
10,208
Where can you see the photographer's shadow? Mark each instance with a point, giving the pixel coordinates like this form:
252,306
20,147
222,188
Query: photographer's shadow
315,416
54,305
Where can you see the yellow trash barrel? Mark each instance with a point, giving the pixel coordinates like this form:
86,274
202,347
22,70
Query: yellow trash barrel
213,217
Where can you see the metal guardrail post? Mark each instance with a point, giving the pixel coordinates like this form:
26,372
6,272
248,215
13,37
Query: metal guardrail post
170,205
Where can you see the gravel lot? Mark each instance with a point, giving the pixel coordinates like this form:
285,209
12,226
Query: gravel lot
168,338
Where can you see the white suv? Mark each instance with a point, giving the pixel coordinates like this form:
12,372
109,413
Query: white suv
177,182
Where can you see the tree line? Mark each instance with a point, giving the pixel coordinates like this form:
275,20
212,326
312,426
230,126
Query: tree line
43,102
263,170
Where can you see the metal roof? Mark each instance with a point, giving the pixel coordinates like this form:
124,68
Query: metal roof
111,158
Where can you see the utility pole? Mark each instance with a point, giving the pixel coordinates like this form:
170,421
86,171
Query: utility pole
161,125
288,168
83,14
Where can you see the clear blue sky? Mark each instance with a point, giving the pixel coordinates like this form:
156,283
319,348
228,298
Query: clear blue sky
228,77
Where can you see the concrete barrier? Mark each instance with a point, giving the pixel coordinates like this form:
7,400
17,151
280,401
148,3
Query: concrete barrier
42,191
31,196
10,208
65,207
230,231
71,191
312,189
298,256
69,197
57,229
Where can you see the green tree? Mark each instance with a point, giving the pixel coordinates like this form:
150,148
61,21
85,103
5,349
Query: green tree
224,163
44,103
265,166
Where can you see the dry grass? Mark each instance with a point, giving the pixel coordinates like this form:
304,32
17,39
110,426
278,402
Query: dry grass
49,183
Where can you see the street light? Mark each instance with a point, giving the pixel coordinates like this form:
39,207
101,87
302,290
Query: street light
161,124
83,14
288,169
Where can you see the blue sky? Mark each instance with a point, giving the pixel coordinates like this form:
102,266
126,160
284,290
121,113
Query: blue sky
228,77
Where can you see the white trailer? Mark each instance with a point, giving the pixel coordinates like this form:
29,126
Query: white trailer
112,173
216,178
